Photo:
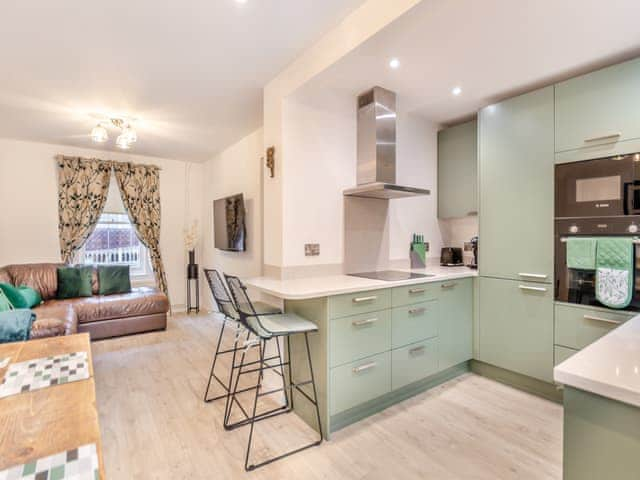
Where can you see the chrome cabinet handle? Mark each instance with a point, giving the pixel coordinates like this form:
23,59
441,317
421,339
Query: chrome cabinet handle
359,323
415,350
364,299
604,320
364,367
417,311
603,137
413,291
448,285
532,275
533,289
472,213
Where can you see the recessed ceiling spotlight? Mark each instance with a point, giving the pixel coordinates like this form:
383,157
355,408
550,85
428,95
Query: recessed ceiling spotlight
456,91
394,63
241,1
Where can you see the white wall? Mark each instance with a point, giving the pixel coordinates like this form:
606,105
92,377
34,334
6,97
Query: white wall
320,147
238,169
29,205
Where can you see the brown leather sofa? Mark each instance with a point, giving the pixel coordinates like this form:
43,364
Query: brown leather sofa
144,309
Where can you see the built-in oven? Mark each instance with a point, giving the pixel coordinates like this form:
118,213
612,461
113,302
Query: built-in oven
579,286
603,187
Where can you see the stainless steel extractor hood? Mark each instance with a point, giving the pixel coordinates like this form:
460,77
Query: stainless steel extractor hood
376,174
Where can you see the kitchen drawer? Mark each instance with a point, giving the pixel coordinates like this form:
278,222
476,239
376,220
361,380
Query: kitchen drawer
360,302
359,336
414,362
359,382
412,323
560,354
598,108
411,294
577,327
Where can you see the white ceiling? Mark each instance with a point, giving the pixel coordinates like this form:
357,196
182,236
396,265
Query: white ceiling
191,71
492,49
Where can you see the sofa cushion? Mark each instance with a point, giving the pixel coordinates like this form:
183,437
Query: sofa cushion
55,310
15,325
139,302
5,304
114,279
43,277
14,296
74,282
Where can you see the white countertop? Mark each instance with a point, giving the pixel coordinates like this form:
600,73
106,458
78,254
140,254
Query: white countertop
314,287
609,367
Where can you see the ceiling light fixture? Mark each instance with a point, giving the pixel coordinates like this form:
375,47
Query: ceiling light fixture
99,134
127,137
394,63
456,91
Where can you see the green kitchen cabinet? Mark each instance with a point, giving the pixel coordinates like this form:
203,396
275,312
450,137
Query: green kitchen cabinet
457,170
597,109
455,326
516,168
516,326
577,326
412,323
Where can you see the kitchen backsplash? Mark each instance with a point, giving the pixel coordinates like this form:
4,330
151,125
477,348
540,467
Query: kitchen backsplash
456,231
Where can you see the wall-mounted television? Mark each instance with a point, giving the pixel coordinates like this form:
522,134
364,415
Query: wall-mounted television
228,223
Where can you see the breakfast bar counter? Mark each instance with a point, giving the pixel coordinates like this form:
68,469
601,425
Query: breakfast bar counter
602,406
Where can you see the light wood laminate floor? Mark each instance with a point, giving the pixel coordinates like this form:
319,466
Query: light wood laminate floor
156,426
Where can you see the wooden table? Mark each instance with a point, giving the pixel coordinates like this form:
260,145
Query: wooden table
50,420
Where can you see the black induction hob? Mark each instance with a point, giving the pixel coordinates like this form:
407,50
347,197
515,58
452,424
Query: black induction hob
390,275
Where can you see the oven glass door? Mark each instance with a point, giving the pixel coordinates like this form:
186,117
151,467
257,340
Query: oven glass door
598,188
579,286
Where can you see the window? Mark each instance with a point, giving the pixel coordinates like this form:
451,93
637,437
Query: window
114,242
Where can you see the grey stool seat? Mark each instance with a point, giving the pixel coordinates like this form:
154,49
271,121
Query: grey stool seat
276,325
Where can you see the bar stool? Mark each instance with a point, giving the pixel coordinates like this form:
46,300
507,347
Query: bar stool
267,327
232,318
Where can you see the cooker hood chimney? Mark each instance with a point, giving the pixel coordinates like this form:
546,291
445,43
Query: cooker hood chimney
376,175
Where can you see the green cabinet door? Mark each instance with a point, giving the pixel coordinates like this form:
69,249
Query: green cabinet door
516,167
598,108
516,326
455,324
457,170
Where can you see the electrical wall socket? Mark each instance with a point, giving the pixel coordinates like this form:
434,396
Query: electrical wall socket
311,249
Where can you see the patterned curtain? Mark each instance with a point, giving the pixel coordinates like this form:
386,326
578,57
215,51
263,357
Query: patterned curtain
82,193
140,191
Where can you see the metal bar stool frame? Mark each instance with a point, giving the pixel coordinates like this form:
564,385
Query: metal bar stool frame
251,319
227,307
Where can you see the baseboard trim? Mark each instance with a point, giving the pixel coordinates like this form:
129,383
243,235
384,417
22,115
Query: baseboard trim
517,380
343,419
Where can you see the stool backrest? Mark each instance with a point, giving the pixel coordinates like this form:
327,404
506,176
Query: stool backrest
220,295
240,297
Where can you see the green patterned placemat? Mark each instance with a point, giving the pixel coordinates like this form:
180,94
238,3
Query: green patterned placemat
44,372
77,464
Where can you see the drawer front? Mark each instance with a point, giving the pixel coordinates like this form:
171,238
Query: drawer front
360,302
360,381
413,294
413,323
578,327
560,354
360,336
414,362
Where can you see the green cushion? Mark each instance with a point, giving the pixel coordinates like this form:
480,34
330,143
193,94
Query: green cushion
5,304
31,296
15,325
86,274
74,282
114,279
15,297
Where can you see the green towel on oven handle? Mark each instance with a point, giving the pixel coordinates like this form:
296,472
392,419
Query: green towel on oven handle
581,253
614,271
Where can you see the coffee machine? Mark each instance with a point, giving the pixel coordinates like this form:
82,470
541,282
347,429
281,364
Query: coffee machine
474,249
